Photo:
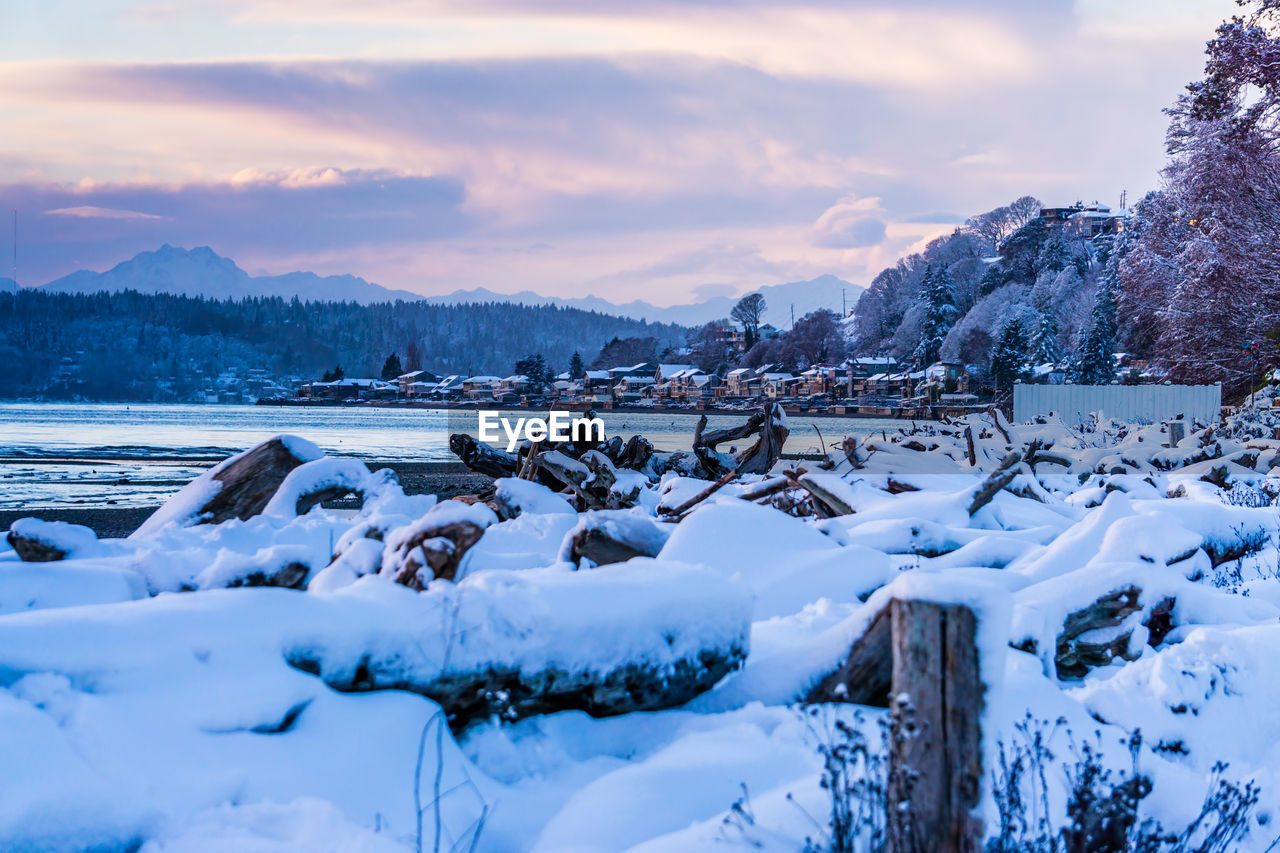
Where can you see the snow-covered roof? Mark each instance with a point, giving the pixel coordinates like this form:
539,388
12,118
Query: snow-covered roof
411,374
598,374
352,382
1095,214
482,380
670,369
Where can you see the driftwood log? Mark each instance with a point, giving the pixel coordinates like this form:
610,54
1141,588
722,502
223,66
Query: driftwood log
509,694
36,541
602,548
482,458
249,482
31,550
1096,635
999,478
769,425
288,575
429,552
826,502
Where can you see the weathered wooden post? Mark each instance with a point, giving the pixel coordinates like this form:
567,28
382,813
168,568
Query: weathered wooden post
935,707
920,659
1177,431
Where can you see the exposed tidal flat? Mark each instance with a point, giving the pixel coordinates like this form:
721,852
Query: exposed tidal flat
96,460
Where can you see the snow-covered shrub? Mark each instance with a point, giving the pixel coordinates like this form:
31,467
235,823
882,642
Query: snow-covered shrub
1102,811
855,779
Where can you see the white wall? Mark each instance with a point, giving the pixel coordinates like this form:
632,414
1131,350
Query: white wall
1142,403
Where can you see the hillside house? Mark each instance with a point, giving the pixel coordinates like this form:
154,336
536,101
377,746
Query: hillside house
1085,221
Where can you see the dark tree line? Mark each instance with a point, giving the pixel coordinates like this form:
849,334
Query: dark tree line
133,346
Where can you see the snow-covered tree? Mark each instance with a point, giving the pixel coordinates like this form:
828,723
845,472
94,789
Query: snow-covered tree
938,301
1203,273
1046,349
1009,356
1095,356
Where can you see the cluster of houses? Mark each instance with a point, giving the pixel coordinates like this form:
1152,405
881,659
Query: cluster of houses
875,384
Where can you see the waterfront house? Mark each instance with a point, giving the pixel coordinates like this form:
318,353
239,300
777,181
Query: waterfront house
631,389
775,385
405,380
479,387
665,372
449,388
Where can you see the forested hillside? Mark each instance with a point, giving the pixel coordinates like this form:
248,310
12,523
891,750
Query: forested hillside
154,346
1004,289
1189,283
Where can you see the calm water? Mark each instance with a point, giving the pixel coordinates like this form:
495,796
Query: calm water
71,454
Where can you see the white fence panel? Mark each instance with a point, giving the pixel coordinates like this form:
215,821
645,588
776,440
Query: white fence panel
1134,403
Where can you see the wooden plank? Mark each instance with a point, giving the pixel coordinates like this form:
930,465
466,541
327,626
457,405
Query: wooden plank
935,759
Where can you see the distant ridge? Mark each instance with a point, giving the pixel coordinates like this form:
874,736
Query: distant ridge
203,272
825,291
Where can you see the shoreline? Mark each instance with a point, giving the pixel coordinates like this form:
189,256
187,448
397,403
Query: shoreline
882,413
446,479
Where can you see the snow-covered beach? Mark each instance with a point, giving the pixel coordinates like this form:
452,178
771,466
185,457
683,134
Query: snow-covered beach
438,674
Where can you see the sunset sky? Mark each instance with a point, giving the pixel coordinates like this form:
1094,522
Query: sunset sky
662,151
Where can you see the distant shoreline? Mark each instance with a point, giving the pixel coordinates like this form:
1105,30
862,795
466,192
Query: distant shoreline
300,402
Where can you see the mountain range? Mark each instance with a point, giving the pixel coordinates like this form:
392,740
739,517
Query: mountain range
203,272
825,291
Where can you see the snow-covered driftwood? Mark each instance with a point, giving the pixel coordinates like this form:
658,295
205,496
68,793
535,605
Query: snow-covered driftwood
434,545
239,487
637,636
613,536
37,541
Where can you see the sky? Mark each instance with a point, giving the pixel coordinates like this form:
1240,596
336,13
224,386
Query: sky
666,151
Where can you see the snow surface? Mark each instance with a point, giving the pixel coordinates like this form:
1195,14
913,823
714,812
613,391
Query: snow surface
143,705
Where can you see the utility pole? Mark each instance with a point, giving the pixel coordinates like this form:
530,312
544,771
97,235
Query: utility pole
15,246
793,315
844,306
